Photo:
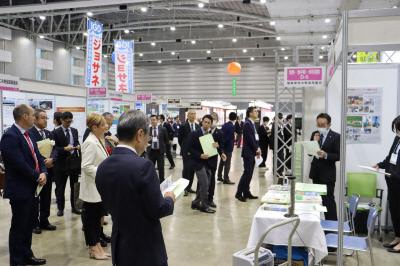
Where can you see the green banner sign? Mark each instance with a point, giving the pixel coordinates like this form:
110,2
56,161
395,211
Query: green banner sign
233,87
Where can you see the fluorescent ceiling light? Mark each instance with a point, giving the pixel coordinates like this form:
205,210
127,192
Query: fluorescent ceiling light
89,14
263,1
234,40
252,58
324,36
323,48
220,26
159,61
188,60
321,57
200,5
220,59
193,41
244,50
85,34
327,20
143,9
126,31
42,17
278,38
272,23
172,53
105,56
77,48
141,54
283,49
153,44
208,52
286,57
172,28
41,36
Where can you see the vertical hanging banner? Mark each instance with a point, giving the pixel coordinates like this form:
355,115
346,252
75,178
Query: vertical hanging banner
94,56
124,65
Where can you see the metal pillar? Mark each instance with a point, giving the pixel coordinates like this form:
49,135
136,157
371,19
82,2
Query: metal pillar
339,260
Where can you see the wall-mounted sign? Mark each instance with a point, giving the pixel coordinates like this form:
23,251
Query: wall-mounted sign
124,65
174,100
195,105
71,109
115,96
367,57
97,92
94,48
144,97
9,83
300,77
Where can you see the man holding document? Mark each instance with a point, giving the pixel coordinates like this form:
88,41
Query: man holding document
201,147
130,190
25,171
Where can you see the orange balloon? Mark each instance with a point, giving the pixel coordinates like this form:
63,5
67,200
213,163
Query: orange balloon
234,68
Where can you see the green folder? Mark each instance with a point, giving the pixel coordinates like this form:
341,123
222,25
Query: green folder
307,187
206,142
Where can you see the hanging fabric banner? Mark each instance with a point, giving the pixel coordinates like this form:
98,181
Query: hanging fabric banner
94,56
124,66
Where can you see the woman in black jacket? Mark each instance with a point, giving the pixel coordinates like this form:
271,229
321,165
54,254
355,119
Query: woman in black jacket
391,164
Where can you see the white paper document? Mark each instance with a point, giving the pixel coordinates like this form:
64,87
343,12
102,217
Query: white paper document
380,171
177,186
38,189
45,147
311,147
259,160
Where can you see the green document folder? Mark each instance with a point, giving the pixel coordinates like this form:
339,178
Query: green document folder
307,187
206,142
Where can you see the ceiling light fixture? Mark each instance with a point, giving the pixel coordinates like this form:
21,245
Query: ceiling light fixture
42,17
220,59
77,47
153,44
126,31
89,14
252,58
193,41
172,53
263,1
200,5
105,56
321,57
395,6
220,26
283,49
323,48
234,40
208,52
143,9
244,50
41,36
286,57
188,60
324,36
272,23
85,34
327,20
278,38
159,61
172,28
140,54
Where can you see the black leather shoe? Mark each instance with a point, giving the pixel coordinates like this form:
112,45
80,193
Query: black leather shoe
392,250
106,238
171,167
249,196
388,245
220,179
212,204
185,193
60,213
76,211
229,182
195,206
240,198
207,210
35,261
103,243
37,230
48,227
191,191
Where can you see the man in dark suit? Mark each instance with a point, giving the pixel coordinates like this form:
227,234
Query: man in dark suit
170,132
158,138
249,151
200,162
68,161
263,133
176,125
38,133
239,131
280,150
323,169
288,136
228,130
184,131
130,190
25,170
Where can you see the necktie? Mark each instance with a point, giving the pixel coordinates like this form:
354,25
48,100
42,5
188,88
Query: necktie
155,140
26,135
192,125
321,140
67,136
42,134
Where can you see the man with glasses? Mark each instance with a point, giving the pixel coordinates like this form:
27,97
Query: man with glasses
68,162
39,133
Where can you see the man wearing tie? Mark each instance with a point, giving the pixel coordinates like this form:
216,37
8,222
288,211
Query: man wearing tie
183,135
157,140
249,151
323,168
25,171
130,190
68,162
38,133
228,130
170,133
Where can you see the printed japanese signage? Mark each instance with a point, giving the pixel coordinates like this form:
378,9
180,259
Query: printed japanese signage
97,92
124,65
300,77
9,83
367,57
174,100
71,109
94,45
195,105
144,97
115,96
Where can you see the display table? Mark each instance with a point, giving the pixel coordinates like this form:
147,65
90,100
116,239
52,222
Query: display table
309,233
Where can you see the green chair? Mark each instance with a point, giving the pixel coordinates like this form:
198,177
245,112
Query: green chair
365,184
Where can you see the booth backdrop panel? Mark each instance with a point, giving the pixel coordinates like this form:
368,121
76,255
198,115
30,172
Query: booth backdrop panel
363,76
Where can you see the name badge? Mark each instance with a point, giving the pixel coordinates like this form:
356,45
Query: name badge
257,137
393,158
155,139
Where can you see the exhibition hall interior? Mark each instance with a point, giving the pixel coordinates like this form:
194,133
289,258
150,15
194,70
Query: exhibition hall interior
199,132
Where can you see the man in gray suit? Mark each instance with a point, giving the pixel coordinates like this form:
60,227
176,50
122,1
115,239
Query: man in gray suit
158,138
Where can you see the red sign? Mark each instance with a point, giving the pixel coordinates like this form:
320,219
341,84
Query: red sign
97,92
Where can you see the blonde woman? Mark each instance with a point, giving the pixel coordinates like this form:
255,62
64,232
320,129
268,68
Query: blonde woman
93,153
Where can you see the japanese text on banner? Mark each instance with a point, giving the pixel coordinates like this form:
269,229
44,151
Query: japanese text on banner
124,65
94,45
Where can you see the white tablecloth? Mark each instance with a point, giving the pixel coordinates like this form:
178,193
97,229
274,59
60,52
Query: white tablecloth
309,233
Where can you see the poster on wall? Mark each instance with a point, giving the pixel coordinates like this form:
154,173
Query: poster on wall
10,101
124,65
364,115
94,44
45,102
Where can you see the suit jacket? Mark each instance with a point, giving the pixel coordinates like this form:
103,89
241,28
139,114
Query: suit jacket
61,142
21,176
250,144
239,127
263,135
176,127
218,136
85,134
393,170
37,137
287,133
184,132
130,190
93,153
162,138
170,130
272,137
324,170
228,130
195,150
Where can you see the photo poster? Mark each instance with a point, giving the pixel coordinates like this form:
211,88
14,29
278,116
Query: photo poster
45,102
97,106
77,106
10,100
117,109
364,115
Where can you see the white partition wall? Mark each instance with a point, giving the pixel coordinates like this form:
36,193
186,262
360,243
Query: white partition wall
385,76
